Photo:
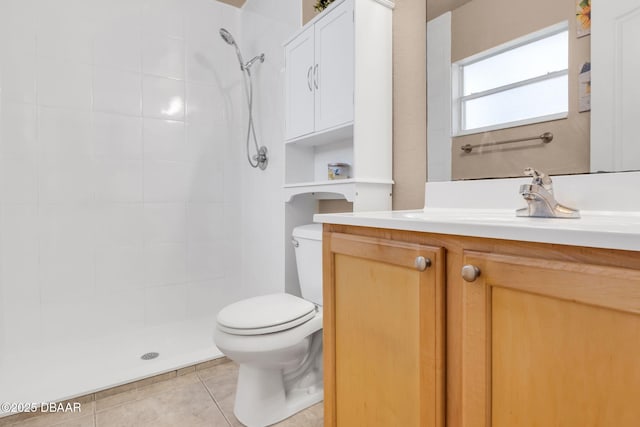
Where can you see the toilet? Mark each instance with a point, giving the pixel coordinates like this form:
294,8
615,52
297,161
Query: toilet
277,341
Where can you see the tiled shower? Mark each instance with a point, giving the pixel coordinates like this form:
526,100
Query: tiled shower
128,214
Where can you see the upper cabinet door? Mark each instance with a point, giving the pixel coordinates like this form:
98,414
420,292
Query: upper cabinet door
299,57
334,68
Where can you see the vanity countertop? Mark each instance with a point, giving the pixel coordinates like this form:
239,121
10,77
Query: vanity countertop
598,229
609,205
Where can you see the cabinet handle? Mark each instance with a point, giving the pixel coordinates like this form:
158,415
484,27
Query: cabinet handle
421,263
315,76
309,78
470,273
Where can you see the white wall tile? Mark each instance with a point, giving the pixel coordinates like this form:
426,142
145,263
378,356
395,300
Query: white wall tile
164,18
163,56
119,224
65,135
117,137
18,180
165,264
207,184
66,181
65,30
166,181
116,91
165,304
207,104
206,299
206,261
206,222
121,49
165,140
165,223
64,84
118,180
18,78
203,56
19,236
163,98
18,131
119,268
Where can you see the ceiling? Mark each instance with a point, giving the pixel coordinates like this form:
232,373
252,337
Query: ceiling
436,8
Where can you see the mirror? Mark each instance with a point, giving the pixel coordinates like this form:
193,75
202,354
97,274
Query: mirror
461,29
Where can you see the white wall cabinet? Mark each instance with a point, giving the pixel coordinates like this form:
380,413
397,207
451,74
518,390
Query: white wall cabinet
339,104
319,65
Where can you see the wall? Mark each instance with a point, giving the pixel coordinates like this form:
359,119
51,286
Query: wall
119,194
482,24
266,24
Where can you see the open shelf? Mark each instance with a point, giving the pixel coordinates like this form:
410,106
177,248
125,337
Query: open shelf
338,133
336,189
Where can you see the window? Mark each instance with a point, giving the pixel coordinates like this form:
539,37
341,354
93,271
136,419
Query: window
524,81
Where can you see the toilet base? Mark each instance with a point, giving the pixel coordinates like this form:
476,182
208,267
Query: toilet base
261,399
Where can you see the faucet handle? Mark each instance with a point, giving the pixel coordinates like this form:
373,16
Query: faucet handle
539,178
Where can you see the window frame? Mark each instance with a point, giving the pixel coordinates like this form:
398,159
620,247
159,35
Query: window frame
457,79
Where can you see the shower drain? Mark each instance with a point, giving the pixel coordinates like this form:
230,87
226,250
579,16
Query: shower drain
149,356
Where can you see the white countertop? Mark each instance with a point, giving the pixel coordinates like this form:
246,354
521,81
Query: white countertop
609,207
598,229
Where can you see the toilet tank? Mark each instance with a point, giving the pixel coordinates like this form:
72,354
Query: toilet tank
308,246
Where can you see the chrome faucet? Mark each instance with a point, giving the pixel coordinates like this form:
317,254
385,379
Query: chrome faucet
540,199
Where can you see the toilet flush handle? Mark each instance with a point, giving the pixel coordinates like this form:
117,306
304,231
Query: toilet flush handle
295,243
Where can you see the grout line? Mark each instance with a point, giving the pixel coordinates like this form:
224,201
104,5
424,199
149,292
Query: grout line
215,401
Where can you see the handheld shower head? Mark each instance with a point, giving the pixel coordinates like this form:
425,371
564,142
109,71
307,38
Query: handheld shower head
227,37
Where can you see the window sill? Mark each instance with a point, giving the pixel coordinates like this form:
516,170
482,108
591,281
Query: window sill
525,122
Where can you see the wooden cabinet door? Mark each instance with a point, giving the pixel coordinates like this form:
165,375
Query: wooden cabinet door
334,68
549,343
299,60
383,333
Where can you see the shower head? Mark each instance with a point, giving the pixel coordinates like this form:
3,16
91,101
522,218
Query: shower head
226,36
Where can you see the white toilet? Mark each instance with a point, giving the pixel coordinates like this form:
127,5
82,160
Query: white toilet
277,341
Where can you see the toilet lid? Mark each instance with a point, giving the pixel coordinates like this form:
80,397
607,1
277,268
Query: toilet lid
265,314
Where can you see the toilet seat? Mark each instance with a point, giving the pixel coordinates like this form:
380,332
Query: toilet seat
265,314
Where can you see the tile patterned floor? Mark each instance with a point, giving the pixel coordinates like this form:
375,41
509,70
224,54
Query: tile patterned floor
193,398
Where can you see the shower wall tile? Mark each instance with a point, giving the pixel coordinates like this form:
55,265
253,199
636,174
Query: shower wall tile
120,148
167,181
117,137
165,304
119,224
121,49
118,180
64,84
206,222
165,140
164,18
165,264
163,56
119,268
207,104
165,223
18,79
163,98
116,91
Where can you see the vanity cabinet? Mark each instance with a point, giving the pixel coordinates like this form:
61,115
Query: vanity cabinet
383,332
536,334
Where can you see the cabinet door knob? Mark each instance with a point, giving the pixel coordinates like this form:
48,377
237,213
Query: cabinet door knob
422,263
309,78
470,273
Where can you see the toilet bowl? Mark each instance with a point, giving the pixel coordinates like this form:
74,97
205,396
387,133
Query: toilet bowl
277,341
